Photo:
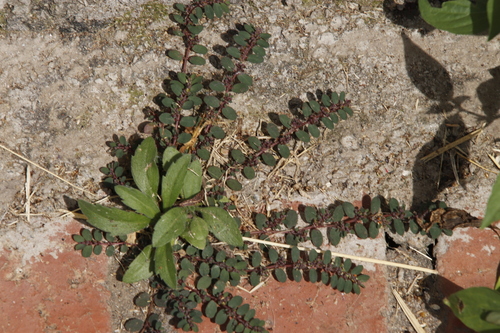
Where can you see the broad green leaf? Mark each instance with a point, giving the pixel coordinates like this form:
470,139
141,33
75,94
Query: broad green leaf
211,101
457,16
240,40
327,122
291,219
314,106
204,282
316,237
280,275
232,51
192,180
196,60
195,29
239,88
144,169
133,325
184,137
220,317
273,130
229,113
373,229
174,54
255,58
200,49
285,120
249,172
217,132
227,63
334,236
254,143
399,227
258,50
217,86
492,213
361,230
284,151
472,305
222,225
245,78
169,156
86,251
173,181
218,11
113,220
348,209
140,268
188,121
268,159
310,213
233,184
196,233
211,309
493,12
170,225
209,11
164,261
303,136
338,214
182,77
215,172
313,130
137,200
295,252
375,205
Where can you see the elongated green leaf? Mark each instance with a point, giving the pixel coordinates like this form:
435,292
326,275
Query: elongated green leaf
144,169
457,16
140,268
472,305
170,225
222,225
165,265
173,181
138,201
492,213
493,12
113,220
192,180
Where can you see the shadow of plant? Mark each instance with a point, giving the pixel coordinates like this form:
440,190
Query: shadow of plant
434,81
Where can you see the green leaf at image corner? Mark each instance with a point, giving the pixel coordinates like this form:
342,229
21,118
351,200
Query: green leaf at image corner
144,169
113,220
222,225
137,200
173,181
164,262
457,16
170,225
471,305
493,13
492,213
140,268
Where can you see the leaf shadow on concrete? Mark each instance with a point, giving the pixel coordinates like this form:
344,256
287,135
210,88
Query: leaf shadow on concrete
433,80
